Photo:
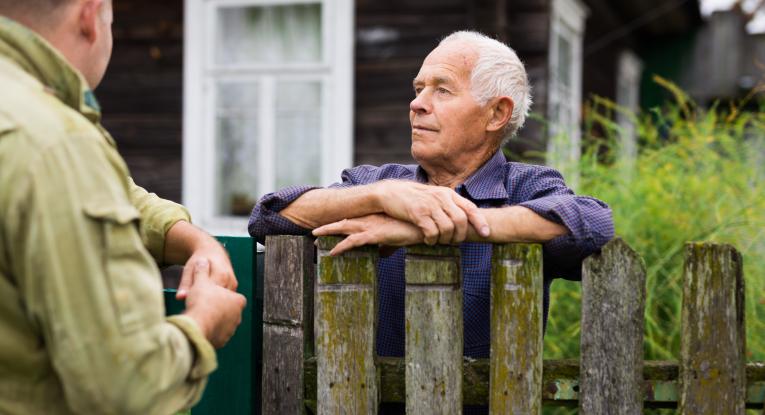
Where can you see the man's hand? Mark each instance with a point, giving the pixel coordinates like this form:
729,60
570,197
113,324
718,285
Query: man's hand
371,229
185,244
440,213
221,271
217,310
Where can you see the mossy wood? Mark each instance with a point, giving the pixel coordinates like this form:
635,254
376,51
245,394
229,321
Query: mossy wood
713,357
516,329
613,303
560,382
287,322
433,320
345,331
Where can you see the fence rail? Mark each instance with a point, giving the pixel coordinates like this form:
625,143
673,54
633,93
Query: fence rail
320,356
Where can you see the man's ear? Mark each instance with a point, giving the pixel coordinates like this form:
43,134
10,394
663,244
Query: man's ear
90,12
501,110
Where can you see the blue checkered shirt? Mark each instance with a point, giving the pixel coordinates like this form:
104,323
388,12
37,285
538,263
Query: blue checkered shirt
497,183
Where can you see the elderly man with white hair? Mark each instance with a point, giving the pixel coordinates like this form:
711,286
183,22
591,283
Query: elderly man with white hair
471,95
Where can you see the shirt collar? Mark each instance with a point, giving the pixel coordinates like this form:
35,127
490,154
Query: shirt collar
487,183
37,57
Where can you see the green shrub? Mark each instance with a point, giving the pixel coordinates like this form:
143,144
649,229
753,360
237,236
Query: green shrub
698,176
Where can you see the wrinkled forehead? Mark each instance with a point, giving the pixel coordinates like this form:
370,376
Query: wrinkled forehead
454,59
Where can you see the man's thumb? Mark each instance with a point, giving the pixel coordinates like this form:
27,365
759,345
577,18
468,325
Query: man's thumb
201,270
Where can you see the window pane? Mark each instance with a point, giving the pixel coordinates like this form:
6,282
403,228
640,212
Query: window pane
298,133
269,34
236,146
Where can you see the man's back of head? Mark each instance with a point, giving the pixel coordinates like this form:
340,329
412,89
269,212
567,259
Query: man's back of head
78,29
32,13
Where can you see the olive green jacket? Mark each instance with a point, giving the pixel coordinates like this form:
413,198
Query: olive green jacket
82,325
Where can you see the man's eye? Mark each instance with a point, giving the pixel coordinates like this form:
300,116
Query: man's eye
443,91
417,91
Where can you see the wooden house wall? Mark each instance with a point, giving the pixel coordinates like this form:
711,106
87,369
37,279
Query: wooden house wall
142,92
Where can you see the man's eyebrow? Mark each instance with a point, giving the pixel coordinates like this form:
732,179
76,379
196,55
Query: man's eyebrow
438,80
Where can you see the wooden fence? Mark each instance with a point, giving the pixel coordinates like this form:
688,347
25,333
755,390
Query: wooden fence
319,335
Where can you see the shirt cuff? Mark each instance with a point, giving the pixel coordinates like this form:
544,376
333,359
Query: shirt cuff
266,220
156,230
205,360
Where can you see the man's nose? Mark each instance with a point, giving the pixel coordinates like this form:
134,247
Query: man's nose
420,104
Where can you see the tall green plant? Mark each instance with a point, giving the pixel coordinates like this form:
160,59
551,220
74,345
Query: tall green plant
697,177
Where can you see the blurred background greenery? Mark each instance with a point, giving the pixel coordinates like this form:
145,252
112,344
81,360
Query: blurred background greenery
696,177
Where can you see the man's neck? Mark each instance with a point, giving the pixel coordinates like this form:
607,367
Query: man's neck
453,174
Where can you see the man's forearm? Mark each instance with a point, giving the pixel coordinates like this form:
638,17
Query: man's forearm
182,240
322,206
517,224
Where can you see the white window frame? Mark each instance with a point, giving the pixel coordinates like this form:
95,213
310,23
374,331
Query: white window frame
564,147
629,70
201,73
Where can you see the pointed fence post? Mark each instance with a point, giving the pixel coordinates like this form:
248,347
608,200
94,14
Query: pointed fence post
345,331
613,304
287,322
712,365
515,379
433,307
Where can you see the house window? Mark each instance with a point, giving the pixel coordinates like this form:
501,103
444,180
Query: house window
629,71
268,102
565,85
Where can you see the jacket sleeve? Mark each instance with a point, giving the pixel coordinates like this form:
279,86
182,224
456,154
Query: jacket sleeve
588,220
93,290
157,217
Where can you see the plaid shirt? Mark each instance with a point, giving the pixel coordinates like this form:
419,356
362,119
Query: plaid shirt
497,183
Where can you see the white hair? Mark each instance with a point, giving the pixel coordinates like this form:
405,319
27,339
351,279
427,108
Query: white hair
498,72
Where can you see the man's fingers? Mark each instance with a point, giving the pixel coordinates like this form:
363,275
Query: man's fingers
429,230
459,220
201,270
474,215
445,226
343,227
349,243
187,278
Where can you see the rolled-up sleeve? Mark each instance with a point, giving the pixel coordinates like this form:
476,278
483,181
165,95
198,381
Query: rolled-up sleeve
157,217
266,220
93,290
589,221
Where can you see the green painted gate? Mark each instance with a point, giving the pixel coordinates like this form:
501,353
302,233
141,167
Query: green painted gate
235,387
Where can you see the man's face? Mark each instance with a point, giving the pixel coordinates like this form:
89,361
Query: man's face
448,125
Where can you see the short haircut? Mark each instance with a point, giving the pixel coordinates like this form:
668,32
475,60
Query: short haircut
25,7
497,72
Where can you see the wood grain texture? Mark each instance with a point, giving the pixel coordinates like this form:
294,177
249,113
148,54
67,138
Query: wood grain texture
287,322
516,329
345,331
712,364
613,303
433,313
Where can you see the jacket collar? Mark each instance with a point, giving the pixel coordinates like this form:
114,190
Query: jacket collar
38,58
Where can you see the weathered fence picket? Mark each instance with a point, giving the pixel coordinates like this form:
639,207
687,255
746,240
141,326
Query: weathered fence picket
613,301
287,322
516,330
433,310
345,376
345,331
712,359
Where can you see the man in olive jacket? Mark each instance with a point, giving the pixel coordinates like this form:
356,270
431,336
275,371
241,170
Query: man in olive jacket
82,325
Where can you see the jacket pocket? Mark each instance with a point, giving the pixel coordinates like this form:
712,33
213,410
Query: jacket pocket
132,275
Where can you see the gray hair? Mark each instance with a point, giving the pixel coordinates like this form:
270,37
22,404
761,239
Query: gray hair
497,72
